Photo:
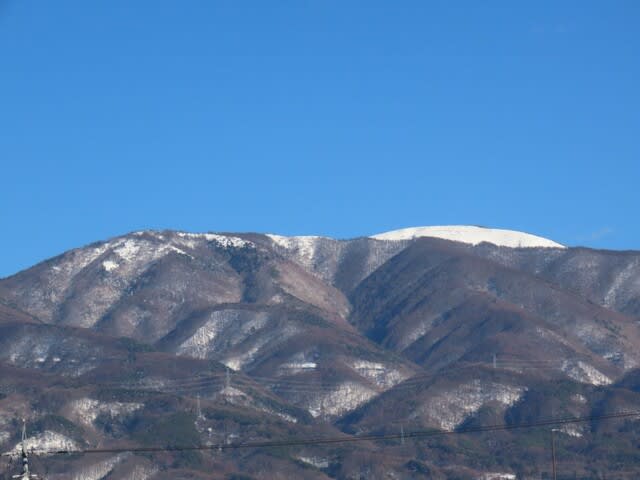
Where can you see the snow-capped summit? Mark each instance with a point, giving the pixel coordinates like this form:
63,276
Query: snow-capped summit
472,235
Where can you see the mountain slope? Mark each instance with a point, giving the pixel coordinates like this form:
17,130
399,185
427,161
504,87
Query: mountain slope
417,292
156,338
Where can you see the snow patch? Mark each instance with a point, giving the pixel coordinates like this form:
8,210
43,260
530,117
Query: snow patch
109,265
573,430
298,363
239,360
317,462
420,331
223,329
621,279
47,441
379,373
449,409
39,351
128,249
88,410
584,373
238,397
232,392
236,362
579,398
304,246
472,235
497,476
322,255
142,473
99,470
293,368
345,397
553,336
225,241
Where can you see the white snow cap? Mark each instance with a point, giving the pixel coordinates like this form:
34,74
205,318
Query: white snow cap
472,235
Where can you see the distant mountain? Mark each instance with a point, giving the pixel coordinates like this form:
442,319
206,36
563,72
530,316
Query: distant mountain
181,339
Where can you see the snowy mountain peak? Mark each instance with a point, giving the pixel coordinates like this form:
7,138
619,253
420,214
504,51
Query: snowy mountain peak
472,235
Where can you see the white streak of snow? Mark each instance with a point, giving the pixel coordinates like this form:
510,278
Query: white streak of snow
496,476
293,368
620,280
317,462
585,373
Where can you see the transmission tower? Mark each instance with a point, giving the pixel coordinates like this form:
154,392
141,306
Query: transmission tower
553,452
25,474
198,409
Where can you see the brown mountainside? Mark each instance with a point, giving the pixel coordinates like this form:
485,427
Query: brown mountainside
170,339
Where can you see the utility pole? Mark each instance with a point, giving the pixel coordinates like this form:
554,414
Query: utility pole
24,475
553,452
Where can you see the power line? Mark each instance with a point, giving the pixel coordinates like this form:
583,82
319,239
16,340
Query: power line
508,363
344,439
293,385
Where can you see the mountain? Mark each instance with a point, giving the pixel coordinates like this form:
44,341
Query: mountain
165,338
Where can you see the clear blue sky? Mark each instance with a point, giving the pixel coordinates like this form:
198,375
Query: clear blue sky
341,118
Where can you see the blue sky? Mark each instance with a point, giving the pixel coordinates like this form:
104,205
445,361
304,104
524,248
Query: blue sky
340,118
